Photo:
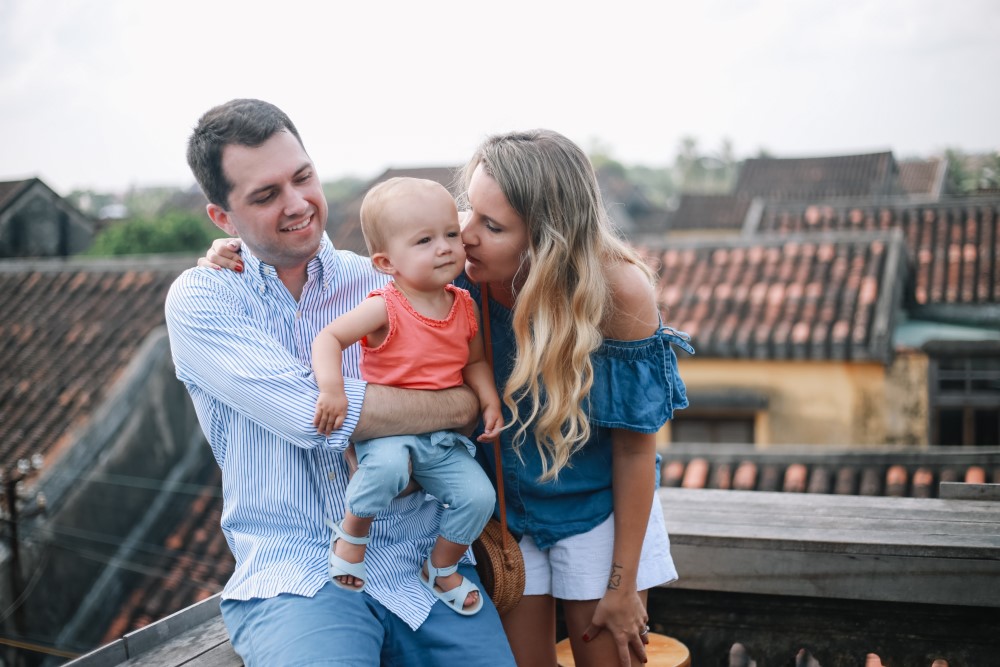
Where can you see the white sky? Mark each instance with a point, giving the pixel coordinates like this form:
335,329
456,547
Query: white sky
102,94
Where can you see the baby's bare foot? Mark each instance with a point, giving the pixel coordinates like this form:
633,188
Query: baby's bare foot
352,553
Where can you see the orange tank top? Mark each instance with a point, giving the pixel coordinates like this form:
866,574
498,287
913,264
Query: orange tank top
420,352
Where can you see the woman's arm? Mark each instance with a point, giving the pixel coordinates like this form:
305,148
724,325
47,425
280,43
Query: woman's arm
621,610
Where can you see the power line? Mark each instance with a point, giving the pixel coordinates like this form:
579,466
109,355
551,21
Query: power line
38,648
148,483
35,578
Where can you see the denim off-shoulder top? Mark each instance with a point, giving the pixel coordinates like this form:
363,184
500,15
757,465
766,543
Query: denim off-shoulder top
636,387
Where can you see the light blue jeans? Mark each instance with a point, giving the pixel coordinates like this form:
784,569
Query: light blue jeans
339,627
442,465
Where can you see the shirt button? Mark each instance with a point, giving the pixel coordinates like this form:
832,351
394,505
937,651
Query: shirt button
332,475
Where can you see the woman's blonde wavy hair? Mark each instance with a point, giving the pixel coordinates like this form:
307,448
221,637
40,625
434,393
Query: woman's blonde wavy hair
549,181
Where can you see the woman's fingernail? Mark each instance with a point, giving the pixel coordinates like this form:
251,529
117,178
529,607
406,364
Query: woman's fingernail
238,268
586,637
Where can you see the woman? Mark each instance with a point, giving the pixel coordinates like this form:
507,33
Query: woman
587,376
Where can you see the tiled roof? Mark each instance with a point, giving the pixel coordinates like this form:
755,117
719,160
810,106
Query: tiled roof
819,177
347,231
954,246
11,190
913,473
68,331
923,177
194,564
800,297
710,213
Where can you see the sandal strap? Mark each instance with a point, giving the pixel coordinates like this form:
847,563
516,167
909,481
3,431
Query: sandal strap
341,534
340,567
434,572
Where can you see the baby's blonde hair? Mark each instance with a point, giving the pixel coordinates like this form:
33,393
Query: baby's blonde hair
376,213
549,181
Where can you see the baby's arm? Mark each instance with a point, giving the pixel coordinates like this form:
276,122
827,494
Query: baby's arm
479,376
328,349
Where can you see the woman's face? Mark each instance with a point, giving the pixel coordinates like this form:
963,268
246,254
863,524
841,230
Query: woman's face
495,236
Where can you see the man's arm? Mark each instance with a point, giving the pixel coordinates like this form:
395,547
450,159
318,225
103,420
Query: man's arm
219,348
394,411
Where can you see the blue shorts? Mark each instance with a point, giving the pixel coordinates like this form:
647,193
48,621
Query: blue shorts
339,627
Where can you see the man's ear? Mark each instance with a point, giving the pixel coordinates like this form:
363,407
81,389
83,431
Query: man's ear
383,264
221,219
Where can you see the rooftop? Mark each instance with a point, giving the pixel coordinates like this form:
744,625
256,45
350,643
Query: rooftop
833,567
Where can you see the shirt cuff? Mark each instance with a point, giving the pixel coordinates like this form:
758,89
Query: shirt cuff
355,391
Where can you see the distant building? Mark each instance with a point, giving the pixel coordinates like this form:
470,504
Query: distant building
37,222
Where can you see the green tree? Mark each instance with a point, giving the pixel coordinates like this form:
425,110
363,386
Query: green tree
175,232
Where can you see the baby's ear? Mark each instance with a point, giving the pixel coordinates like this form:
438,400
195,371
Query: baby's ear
383,264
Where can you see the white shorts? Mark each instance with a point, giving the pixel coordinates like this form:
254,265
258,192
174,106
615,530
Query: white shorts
577,568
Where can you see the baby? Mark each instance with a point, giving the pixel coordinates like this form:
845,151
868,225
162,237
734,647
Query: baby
418,332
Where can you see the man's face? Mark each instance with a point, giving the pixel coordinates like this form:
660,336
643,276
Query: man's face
276,205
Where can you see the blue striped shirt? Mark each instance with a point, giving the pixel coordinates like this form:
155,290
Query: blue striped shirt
243,347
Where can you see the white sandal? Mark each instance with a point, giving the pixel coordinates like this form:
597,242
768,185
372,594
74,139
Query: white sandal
338,567
455,598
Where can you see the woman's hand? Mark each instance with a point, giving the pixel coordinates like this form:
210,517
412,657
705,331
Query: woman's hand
623,614
224,254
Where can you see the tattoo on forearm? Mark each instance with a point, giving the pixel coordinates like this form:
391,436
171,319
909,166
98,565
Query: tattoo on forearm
615,580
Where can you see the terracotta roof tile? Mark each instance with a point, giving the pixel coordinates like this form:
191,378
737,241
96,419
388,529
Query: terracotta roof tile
68,331
922,177
782,298
912,473
953,246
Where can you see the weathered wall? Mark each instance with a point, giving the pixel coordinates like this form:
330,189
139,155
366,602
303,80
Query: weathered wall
823,402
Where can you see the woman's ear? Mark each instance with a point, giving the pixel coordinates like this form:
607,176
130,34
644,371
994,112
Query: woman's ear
383,264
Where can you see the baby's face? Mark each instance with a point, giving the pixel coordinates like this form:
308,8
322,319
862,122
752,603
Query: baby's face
424,239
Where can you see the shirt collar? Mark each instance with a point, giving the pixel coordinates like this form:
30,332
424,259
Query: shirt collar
322,267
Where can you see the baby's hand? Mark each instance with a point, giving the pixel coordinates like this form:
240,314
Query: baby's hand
224,254
330,412
492,423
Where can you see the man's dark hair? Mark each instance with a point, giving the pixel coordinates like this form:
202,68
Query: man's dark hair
245,122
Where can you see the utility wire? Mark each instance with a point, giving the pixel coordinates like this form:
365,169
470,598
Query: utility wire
140,568
150,483
35,578
38,648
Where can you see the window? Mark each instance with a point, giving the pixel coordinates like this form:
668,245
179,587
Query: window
965,400
736,430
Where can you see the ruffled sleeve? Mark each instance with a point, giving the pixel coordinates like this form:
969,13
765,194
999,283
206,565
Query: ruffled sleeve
636,383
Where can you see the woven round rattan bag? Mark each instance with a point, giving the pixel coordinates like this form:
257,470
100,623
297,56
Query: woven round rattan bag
500,570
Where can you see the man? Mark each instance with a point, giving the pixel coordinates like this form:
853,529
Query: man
242,344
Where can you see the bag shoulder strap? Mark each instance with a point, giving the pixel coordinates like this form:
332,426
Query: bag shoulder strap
484,290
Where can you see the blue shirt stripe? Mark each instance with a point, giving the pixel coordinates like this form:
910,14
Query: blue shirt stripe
243,347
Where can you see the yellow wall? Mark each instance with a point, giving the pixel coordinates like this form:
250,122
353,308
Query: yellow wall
822,402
